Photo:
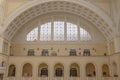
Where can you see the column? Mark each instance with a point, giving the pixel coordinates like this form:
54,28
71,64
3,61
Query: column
117,44
99,72
51,71
19,70
1,44
108,48
66,71
34,71
83,72
9,48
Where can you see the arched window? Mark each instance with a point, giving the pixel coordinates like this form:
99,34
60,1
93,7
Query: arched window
27,70
90,70
43,70
84,35
33,35
59,70
12,71
105,70
58,31
1,76
74,70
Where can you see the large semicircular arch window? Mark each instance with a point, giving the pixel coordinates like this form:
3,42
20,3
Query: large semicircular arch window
58,31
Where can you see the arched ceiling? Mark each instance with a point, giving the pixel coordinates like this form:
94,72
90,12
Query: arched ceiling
77,7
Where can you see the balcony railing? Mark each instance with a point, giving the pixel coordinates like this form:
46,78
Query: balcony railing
43,78
74,78
60,78
2,68
109,78
90,78
9,78
27,78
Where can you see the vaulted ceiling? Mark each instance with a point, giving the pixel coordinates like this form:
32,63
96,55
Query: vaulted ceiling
82,8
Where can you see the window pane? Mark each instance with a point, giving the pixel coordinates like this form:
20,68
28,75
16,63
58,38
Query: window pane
73,72
59,72
44,72
84,35
72,32
33,35
58,31
45,32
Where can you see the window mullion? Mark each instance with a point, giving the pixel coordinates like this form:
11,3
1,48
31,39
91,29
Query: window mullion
39,26
52,29
78,27
65,29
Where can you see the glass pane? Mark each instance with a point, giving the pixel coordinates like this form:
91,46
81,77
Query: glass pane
33,35
72,32
58,31
84,35
73,72
44,72
58,72
45,32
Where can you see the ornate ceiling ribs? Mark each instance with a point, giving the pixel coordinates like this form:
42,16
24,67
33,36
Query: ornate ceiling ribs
102,23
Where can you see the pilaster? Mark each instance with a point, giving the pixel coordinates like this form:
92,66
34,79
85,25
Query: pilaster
117,44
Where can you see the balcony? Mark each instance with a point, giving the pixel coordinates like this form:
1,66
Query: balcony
60,78
90,78
2,68
9,78
110,78
43,78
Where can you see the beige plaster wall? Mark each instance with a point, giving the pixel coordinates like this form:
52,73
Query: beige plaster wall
13,5
60,49
104,5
